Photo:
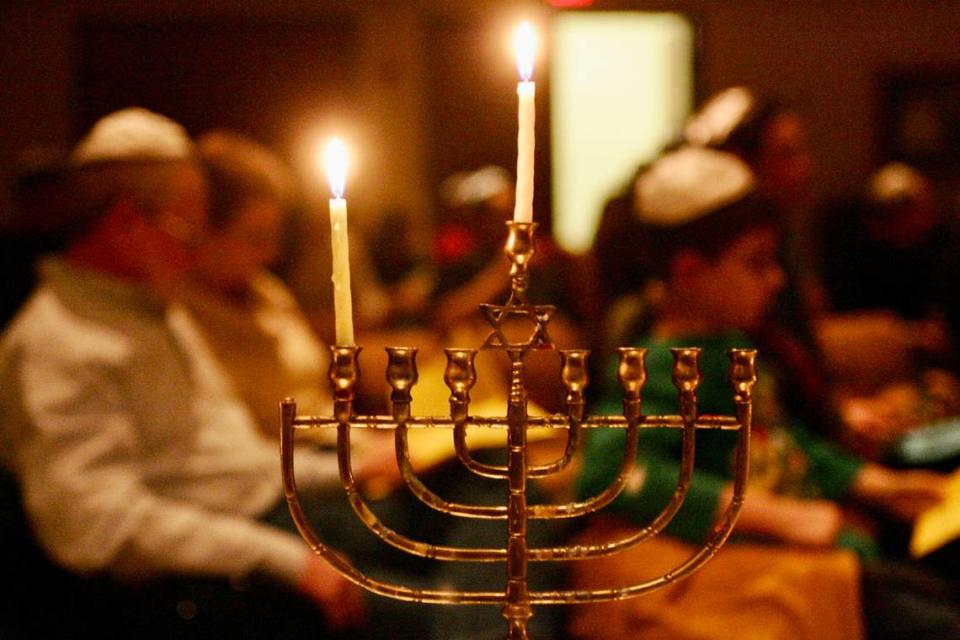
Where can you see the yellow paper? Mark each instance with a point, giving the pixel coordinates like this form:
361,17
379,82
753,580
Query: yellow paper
940,524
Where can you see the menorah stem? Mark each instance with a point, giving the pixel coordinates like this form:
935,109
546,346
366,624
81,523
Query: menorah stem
517,609
517,629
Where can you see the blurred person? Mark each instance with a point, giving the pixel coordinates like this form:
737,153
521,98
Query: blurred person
790,568
769,136
250,318
890,272
267,346
135,459
886,252
472,269
403,266
235,298
845,365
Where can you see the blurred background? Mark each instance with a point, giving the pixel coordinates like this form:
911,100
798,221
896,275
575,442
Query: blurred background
422,89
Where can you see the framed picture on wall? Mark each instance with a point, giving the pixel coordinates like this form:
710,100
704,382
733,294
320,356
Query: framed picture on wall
920,120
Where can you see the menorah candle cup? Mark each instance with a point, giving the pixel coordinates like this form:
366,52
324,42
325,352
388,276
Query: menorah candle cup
401,376
574,377
344,374
520,249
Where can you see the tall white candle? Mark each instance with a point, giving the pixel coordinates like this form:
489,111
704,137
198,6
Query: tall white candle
525,44
335,159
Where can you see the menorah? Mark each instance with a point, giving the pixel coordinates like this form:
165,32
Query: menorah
516,599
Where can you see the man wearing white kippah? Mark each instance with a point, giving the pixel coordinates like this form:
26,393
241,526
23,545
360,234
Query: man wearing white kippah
134,456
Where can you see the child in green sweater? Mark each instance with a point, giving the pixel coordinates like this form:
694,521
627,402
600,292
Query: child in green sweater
712,244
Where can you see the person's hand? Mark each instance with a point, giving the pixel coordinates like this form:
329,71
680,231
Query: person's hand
873,422
903,494
806,523
375,468
340,600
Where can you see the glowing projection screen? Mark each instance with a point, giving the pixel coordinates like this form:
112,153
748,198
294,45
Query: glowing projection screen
621,86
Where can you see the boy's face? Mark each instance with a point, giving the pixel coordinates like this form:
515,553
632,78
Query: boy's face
736,289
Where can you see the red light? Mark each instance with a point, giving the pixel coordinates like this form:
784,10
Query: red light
571,4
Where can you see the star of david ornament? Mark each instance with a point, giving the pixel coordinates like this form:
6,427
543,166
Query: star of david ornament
535,316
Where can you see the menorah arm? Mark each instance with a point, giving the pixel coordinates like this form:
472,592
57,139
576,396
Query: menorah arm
288,410
605,497
431,499
573,375
570,450
716,540
658,524
388,535
359,505
466,458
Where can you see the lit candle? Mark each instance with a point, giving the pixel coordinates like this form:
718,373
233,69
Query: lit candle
335,159
525,44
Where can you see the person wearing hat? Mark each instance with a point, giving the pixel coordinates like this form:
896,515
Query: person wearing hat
136,460
891,330
236,299
886,248
769,136
712,242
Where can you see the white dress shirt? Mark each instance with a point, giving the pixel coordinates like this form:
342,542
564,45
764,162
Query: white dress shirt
132,451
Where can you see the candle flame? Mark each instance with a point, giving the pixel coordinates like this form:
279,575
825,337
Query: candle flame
525,45
335,161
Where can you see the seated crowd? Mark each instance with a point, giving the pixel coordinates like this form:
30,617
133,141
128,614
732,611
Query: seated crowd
185,297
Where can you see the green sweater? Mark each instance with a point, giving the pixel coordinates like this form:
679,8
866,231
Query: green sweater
785,457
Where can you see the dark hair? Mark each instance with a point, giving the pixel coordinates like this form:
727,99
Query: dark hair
619,233
742,136
746,139
240,169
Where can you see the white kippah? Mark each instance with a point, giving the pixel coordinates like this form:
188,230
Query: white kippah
473,187
716,119
689,183
895,181
132,134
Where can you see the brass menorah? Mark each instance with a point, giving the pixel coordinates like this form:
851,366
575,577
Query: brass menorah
516,600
